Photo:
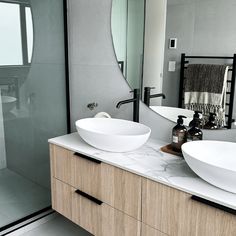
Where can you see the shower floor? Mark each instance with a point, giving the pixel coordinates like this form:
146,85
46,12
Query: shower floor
20,197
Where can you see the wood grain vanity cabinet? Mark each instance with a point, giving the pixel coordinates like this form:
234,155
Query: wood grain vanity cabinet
108,201
174,212
149,231
101,198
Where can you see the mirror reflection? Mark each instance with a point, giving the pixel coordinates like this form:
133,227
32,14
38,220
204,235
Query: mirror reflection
202,30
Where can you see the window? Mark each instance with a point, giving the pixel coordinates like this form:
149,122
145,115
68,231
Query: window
16,30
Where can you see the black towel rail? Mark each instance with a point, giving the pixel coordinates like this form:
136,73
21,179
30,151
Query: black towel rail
231,81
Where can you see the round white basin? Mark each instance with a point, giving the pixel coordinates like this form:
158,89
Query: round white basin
8,103
114,135
213,161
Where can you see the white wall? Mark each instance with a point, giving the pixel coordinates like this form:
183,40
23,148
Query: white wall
154,47
95,75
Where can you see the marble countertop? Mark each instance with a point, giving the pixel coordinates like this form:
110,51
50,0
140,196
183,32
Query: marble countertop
150,162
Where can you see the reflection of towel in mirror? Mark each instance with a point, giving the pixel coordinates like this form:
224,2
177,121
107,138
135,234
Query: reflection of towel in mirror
205,89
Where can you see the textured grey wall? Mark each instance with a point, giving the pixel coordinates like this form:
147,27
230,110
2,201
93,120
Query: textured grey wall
95,75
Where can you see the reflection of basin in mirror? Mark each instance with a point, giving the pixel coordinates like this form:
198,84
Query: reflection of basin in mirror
8,103
213,161
113,135
172,113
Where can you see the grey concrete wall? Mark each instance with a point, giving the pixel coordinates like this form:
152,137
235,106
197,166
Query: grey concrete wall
202,28
95,75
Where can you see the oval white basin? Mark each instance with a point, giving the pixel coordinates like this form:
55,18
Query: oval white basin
172,113
114,135
213,161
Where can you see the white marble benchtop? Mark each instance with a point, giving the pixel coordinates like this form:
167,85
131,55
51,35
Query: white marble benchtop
150,162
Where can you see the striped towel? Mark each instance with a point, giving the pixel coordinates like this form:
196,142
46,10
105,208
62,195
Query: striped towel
205,90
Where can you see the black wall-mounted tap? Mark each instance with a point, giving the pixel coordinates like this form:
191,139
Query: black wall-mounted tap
135,101
148,96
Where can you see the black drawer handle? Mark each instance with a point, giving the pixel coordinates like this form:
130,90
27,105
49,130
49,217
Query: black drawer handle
87,158
213,204
93,199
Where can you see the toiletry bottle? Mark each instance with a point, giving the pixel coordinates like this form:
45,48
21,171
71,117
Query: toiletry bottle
195,133
211,123
196,117
179,135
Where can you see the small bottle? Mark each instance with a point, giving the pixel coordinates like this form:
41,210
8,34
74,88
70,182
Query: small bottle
196,117
195,133
211,123
179,135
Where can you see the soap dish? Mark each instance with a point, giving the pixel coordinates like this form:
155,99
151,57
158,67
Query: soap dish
168,149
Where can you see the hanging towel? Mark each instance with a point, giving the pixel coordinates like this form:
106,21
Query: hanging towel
205,89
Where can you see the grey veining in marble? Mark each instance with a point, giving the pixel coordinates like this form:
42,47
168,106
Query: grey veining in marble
150,162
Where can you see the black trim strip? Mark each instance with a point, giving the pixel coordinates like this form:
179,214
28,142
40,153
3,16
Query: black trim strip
24,219
213,204
91,198
31,222
66,43
210,57
87,158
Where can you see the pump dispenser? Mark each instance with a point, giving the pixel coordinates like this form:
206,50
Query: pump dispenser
195,132
196,119
179,134
211,123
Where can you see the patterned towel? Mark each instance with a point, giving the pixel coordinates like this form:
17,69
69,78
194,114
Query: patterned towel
205,89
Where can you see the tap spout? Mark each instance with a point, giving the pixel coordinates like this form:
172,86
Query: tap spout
135,101
148,96
158,95
125,101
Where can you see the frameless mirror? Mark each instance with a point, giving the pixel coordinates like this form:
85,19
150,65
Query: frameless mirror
150,36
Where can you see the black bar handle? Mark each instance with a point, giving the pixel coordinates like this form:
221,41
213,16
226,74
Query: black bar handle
91,198
213,204
87,158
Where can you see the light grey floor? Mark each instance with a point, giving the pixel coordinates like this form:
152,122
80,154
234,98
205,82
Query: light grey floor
59,226
19,197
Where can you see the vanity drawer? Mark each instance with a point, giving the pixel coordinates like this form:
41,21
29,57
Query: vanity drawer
61,198
149,231
118,188
174,212
102,220
61,163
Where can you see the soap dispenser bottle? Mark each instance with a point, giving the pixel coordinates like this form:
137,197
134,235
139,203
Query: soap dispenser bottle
179,134
211,123
196,119
195,133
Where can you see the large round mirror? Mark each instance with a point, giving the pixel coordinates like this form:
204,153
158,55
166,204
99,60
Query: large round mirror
161,44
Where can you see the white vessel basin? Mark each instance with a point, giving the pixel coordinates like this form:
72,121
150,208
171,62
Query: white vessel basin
213,161
8,103
172,113
114,135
